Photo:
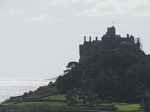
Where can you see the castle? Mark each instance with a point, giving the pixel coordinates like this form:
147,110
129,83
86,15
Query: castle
108,41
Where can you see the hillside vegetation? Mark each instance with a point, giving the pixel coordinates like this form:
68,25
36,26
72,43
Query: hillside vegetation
120,75
116,75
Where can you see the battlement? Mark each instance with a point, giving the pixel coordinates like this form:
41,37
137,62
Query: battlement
96,39
108,41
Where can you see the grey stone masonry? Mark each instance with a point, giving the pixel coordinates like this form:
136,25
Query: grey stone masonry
108,41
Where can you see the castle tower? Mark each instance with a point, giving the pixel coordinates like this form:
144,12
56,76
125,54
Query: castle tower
111,31
89,48
108,41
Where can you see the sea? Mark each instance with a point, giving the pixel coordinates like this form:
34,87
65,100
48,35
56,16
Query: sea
16,87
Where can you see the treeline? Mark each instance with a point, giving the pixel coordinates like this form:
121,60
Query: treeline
120,75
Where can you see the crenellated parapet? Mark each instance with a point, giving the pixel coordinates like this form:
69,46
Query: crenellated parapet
108,41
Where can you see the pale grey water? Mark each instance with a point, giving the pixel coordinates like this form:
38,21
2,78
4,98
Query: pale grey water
16,87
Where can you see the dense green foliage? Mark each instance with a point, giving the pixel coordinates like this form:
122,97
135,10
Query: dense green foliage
120,75
116,75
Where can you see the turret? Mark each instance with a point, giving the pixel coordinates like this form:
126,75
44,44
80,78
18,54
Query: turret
96,38
90,38
84,38
111,31
127,35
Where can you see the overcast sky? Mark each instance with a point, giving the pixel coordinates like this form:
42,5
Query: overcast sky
39,37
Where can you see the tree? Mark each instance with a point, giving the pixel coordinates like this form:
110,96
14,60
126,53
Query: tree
120,74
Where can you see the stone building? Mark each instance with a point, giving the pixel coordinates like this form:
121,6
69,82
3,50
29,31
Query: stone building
108,41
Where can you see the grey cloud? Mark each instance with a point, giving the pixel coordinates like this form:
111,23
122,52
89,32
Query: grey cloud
122,8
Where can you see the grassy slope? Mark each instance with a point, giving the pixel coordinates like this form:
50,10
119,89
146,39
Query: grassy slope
127,107
52,105
56,97
50,92
62,105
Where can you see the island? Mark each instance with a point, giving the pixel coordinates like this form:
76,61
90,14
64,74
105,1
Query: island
113,74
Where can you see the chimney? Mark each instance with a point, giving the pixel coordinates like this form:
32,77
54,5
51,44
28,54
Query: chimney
84,38
90,38
96,38
127,35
